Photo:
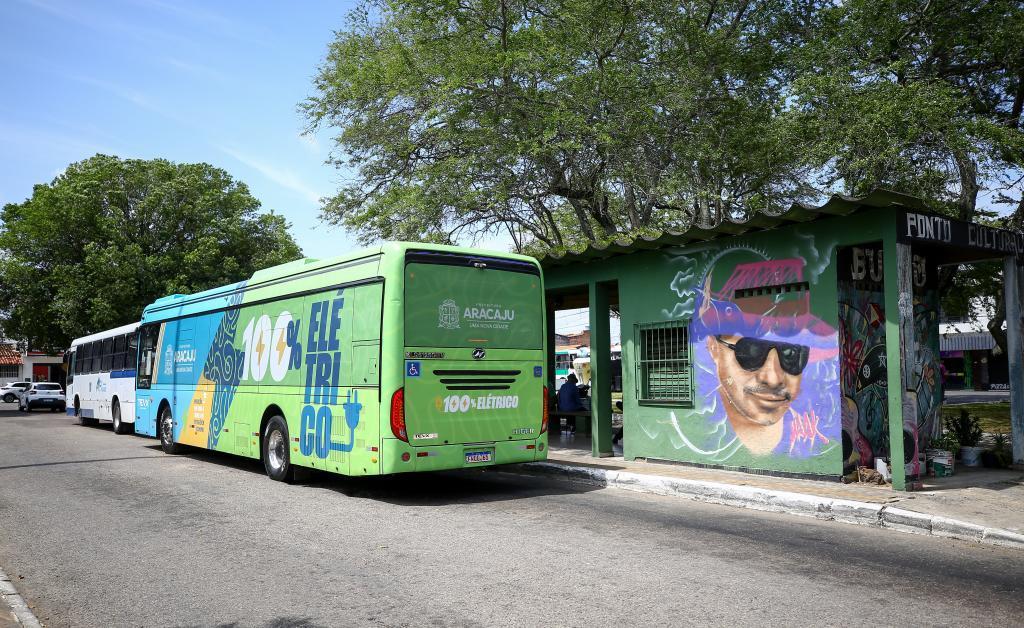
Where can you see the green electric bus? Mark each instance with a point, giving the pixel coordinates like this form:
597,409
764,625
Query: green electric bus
406,357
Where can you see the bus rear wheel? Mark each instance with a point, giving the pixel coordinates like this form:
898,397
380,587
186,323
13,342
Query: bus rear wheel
166,428
276,459
82,420
115,415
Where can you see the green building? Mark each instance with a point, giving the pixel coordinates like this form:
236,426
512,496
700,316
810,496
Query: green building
805,343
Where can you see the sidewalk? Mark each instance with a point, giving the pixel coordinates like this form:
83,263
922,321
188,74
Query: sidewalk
14,612
982,505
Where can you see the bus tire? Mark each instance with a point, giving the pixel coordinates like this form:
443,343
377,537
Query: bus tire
165,429
276,459
115,415
81,419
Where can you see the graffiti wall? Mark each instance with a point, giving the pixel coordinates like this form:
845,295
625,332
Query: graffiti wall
763,353
863,360
778,340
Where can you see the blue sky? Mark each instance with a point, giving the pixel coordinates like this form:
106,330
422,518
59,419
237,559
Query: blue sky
183,80
186,81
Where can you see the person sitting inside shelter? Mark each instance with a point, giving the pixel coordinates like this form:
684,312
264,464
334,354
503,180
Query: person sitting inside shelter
569,400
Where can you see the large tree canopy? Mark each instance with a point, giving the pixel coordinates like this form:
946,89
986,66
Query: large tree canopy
557,120
566,121
88,251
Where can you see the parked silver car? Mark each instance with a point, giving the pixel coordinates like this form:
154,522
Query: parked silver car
11,392
43,395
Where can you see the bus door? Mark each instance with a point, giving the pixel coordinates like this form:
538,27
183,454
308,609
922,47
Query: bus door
146,379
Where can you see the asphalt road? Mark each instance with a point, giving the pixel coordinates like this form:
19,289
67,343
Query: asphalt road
105,530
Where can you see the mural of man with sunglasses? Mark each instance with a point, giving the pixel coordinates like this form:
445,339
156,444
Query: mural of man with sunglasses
771,361
759,380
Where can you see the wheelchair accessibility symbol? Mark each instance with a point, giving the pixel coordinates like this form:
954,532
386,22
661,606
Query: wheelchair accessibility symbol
412,369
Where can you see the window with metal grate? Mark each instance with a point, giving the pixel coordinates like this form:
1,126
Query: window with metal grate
664,373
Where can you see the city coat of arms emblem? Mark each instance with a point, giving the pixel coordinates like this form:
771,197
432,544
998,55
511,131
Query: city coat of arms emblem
448,315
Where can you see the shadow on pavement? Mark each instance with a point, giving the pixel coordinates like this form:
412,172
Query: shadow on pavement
431,488
435,488
279,622
86,461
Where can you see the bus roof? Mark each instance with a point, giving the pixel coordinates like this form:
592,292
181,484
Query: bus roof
218,298
117,331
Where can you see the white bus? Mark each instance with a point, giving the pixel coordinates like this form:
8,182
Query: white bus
101,378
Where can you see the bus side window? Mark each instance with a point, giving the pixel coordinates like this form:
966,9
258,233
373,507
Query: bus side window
117,363
108,355
71,369
132,356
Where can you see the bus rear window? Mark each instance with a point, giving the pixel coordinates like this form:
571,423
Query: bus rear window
472,306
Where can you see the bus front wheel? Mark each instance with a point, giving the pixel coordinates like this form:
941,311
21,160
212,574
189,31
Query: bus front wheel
276,459
115,415
167,432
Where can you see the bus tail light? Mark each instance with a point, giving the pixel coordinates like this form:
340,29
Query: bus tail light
398,415
544,414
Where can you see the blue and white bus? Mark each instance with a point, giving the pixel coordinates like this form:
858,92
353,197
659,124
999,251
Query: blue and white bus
101,378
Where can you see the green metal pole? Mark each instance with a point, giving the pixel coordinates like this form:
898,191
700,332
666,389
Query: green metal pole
898,305
600,371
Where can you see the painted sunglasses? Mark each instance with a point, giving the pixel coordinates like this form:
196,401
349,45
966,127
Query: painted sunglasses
752,353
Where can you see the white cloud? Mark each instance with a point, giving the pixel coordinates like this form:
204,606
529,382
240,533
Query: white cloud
135,97
46,142
223,25
195,69
89,17
281,176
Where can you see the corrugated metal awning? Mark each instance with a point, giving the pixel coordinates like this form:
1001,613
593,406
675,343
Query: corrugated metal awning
967,341
837,205
9,356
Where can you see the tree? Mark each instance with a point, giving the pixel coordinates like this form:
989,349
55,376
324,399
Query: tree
91,249
925,96
565,122
557,121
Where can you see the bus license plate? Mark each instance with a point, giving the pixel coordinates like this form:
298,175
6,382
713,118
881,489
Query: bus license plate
473,457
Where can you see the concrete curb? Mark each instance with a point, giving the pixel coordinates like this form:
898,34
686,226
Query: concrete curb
824,508
23,615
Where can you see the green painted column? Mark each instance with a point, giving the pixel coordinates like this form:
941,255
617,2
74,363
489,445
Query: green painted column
899,347
1012,280
600,372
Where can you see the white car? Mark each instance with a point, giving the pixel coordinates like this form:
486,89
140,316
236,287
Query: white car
12,392
43,395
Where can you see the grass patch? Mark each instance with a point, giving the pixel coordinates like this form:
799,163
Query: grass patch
993,417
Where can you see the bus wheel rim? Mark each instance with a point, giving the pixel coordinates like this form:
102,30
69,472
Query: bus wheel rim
165,428
275,450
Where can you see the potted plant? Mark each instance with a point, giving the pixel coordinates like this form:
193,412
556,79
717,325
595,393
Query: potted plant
967,431
998,456
939,457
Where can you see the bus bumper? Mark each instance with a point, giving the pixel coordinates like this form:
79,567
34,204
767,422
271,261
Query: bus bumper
442,457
